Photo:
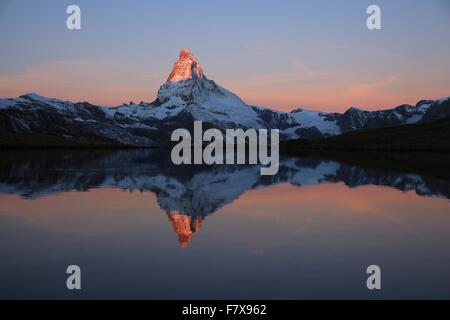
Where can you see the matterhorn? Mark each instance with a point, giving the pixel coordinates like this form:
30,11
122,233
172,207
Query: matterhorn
189,92
185,68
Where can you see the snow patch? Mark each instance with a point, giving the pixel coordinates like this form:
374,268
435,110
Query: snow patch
312,118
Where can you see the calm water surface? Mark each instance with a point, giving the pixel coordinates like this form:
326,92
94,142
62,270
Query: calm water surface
141,228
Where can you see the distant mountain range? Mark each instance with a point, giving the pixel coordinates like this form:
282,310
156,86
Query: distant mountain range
186,96
422,136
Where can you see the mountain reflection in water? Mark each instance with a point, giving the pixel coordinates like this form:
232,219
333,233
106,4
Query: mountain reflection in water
186,194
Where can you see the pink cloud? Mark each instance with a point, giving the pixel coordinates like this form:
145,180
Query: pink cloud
97,81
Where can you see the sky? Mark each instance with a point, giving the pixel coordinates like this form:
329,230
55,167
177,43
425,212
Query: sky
282,54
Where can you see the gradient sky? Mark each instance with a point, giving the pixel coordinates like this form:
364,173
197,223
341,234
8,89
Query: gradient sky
280,54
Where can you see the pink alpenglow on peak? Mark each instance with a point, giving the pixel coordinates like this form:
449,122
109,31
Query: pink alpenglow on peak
186,66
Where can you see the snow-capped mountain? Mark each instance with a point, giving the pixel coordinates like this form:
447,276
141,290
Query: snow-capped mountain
33,115
189,95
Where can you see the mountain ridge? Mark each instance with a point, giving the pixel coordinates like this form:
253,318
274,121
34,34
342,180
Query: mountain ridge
433,136
187,96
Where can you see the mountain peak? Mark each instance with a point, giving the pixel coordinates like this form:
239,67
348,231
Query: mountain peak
185,226
185,67
187,54
38,98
